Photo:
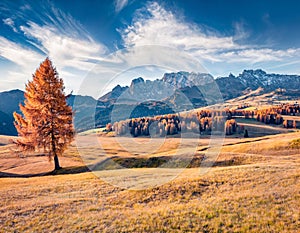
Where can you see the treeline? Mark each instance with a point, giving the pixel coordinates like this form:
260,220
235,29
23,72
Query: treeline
289,109
283,109
241,113
198,122
271,115
289,124
267,116
204,121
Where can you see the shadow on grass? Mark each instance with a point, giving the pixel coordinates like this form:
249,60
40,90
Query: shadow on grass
62,171
15,175
132,162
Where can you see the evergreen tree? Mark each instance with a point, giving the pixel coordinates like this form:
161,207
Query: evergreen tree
246,135
46,120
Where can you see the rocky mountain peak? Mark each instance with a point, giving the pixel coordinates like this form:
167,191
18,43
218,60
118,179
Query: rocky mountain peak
184,79
137,80
257,72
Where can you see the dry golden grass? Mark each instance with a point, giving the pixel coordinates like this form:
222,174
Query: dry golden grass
14,164
247,199
259,192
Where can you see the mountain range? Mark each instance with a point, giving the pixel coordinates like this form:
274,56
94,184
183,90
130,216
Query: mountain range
173,92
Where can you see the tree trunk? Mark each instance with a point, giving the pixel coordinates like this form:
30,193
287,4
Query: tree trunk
56,163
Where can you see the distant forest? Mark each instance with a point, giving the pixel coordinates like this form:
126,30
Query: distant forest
203,122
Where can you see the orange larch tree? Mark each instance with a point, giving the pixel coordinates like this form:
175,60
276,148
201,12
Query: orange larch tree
46,122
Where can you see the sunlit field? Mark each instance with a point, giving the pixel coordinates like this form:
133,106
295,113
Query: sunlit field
150,116
253,186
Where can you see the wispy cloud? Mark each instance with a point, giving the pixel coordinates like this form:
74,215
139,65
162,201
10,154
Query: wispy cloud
154,25
162,27
25,7
65,50
25,60
259,55
43,30
48,32
9,22
240,33
120,4
18,54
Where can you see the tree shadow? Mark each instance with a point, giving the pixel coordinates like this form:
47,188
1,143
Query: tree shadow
15,175
127,163
62,171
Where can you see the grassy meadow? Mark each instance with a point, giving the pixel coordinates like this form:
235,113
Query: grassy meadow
254,186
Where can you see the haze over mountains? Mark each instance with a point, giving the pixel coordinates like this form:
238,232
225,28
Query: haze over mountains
174,92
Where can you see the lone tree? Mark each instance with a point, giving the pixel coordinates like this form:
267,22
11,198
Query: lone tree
46,123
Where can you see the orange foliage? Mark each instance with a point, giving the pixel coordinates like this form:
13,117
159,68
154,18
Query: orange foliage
46,120
201,121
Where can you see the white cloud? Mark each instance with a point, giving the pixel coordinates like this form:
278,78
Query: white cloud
14,52
154,25
164,28
55,34
9,22
74,52
64,40
120,4
65,50
239,31
25,7
25,60
259,55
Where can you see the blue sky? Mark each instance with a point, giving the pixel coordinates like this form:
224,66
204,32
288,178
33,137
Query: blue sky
223,36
